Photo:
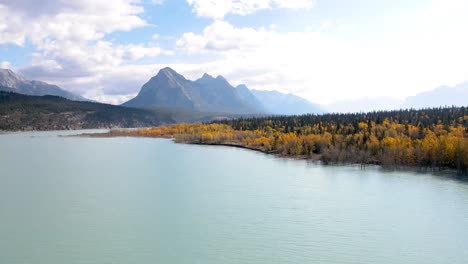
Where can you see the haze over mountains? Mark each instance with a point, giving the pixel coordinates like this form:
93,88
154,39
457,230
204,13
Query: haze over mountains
173,92
441,96
286,104
364,104
170,89
11,82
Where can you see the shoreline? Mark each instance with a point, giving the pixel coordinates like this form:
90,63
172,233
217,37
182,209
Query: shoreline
316,158
127,133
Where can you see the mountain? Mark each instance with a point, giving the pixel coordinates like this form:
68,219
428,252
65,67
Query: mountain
248,96
441,96
25,112
166,89
11,82
285,104
364,104
170,89
222,96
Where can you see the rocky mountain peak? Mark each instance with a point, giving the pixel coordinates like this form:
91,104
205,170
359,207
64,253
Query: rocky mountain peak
168,70
242,87
12,82
9,79
221,78
205,78
168,73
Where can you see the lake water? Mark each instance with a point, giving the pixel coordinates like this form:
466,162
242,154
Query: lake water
139,200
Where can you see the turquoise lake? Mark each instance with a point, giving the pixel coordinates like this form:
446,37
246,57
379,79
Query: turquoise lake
140,200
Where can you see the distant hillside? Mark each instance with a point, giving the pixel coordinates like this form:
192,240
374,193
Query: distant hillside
286,104
364,104
439,97
207,94
11,82
23,112
442,96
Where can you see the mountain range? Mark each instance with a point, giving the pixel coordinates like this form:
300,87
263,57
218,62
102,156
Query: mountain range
25,112
11,82
166,98
364,104
441,96
170,89
208,94
286,104
215,96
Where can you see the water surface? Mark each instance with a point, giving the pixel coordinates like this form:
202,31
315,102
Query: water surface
140,200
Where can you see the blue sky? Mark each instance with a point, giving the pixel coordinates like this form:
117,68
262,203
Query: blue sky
323,50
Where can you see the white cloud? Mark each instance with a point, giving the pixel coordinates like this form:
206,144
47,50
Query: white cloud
294,4
68,58
219,8
222,36
157,2
65,20
430,52
68,38
266,59
94,71
5,65
71,50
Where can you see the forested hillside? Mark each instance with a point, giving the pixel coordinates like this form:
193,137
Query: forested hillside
23,112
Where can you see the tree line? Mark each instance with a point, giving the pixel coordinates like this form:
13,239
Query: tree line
435,138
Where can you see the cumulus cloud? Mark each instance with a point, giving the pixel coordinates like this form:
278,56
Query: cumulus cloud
46,7
113,85
219,8
222,36
5,65
157,2
269,59
71,50
93,71
68,37
326,69
67,59
65,20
